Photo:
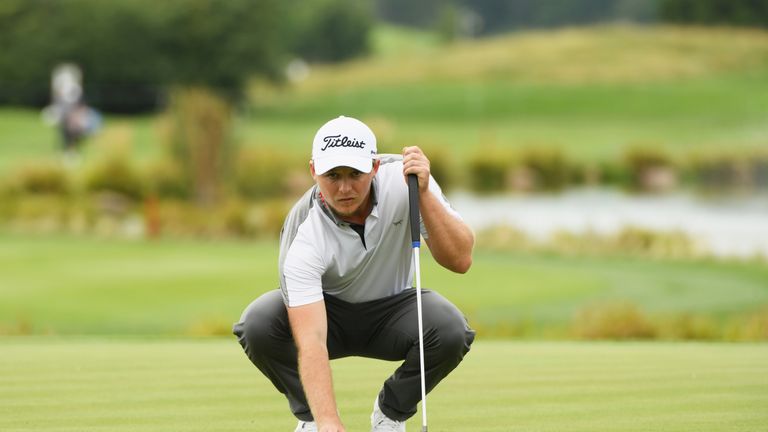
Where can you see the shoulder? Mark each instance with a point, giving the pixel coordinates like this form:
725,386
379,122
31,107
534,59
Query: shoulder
390,170
301,228
390,162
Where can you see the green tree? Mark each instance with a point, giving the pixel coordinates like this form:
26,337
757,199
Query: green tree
333,30
132,50
753,13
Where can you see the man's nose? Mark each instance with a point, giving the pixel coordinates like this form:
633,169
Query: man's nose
345,185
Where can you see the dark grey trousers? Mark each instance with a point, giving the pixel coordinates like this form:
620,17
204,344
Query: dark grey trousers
385,329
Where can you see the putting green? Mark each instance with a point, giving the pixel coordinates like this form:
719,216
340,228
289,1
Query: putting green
125,384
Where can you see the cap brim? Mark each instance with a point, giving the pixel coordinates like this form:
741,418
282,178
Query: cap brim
322,165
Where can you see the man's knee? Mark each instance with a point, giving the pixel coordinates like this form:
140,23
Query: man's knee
456,337
257,325
453,333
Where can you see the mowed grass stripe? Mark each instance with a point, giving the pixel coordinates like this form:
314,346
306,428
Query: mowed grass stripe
82,384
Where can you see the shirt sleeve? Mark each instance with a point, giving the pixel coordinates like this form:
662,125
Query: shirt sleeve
301,279
438,193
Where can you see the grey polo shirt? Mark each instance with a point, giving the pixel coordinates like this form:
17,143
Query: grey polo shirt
320,253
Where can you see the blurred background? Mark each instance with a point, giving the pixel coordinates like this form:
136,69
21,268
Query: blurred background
611,155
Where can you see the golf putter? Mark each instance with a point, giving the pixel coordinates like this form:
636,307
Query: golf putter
413,199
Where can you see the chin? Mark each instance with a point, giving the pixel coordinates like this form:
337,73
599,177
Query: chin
346,210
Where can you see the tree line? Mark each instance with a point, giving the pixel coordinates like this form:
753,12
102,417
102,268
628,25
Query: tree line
131,51
482,17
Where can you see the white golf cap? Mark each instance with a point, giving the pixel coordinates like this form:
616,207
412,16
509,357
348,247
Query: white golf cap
344,141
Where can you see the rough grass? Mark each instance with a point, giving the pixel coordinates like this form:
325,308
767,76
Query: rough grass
76,384
592,55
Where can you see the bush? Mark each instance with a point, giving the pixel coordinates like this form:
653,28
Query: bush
199,140
650,169
641,241
441,166
688,327
115,173
232,218
489,169
550,169
44,177
503,238
718,171
612,320
166,179
751,327
269,173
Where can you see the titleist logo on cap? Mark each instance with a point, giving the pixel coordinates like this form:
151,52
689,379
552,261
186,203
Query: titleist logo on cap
339,141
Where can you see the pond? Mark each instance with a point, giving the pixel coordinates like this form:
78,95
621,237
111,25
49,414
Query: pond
726,226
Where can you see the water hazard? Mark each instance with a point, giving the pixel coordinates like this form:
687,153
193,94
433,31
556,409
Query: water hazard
725,226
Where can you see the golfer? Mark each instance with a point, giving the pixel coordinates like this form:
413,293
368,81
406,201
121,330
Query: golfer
346,282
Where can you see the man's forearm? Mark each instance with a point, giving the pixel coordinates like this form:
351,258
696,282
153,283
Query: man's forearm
450,239
315,372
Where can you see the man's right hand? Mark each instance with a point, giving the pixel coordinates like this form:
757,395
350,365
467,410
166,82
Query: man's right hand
333,426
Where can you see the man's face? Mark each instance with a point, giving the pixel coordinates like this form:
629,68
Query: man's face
346,190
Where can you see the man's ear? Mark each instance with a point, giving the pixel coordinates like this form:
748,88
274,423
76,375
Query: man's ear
312,169
376,163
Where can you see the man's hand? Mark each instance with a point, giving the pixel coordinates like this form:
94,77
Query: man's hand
335,427
416,162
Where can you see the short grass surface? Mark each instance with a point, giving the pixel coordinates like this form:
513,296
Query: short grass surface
95,384
74,285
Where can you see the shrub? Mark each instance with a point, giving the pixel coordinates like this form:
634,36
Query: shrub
44,177
688,327
503,238
268,173
267,217
550,169
612,320
489,169
641,241
166,179
760,170
114,173
717,170
650,169
199,140
441,166
750,327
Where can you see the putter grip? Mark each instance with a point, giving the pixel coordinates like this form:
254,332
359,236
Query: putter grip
413,200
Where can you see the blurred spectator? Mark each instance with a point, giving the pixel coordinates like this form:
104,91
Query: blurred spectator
69,112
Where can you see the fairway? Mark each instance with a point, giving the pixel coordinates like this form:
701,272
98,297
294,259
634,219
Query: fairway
124,384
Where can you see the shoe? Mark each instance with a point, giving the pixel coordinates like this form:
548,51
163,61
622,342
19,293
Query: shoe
382,423
305,426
